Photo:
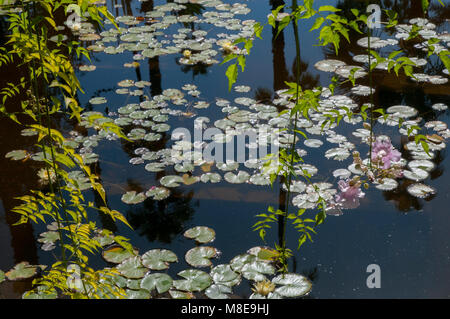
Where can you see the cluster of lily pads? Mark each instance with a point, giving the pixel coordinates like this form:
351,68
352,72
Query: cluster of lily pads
146,120
146,276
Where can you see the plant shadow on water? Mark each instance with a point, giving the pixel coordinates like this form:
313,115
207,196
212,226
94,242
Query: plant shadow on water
141,180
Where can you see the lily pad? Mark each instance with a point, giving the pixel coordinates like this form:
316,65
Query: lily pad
171,180
200,256
98,100
200,234
159,281
293,285
217,291
158,193
117,254
239,178
224,275
16,155
194,280
132,268
158,259
133,198
21,271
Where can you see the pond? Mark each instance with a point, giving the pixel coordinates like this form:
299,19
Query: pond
162,81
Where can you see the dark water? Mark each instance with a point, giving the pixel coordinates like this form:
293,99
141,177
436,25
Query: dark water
407,237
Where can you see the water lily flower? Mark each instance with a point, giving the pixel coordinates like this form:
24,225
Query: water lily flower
187,54
228,47
46,176
384,152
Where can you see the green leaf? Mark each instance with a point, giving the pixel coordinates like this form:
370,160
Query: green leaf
16,155
132,268
231,74
200,256
162,282
200,234
22,270
116,254
133,198
317,23
194,280
293,285
158,259
328,8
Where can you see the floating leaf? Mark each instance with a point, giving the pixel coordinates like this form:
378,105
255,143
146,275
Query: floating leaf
194,280
293,285
200,256
137,294
160,282
171,181
132,268
17,155
200,234
224,275
133,198
21,271
175,294
117,254
98,100
211,177
158,259
239,178
217,291
421,190
158,193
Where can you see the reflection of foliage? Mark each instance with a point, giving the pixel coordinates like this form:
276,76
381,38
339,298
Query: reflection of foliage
163,220
198,68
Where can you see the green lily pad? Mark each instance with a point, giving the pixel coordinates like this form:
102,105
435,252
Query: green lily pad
211,177
239,178
158,193
175,294
22,270
200,256
224,275
117,254
158,259
194,280
133,198
293,285
137,294
2,276
217,291
264,253
171,180
16,155
98,100
159,281
251,267
200,234
132,268
155,167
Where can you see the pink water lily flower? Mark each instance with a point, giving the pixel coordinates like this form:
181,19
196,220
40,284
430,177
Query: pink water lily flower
349,195
382,150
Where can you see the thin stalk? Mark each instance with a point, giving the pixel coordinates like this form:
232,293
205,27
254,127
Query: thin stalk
292,150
